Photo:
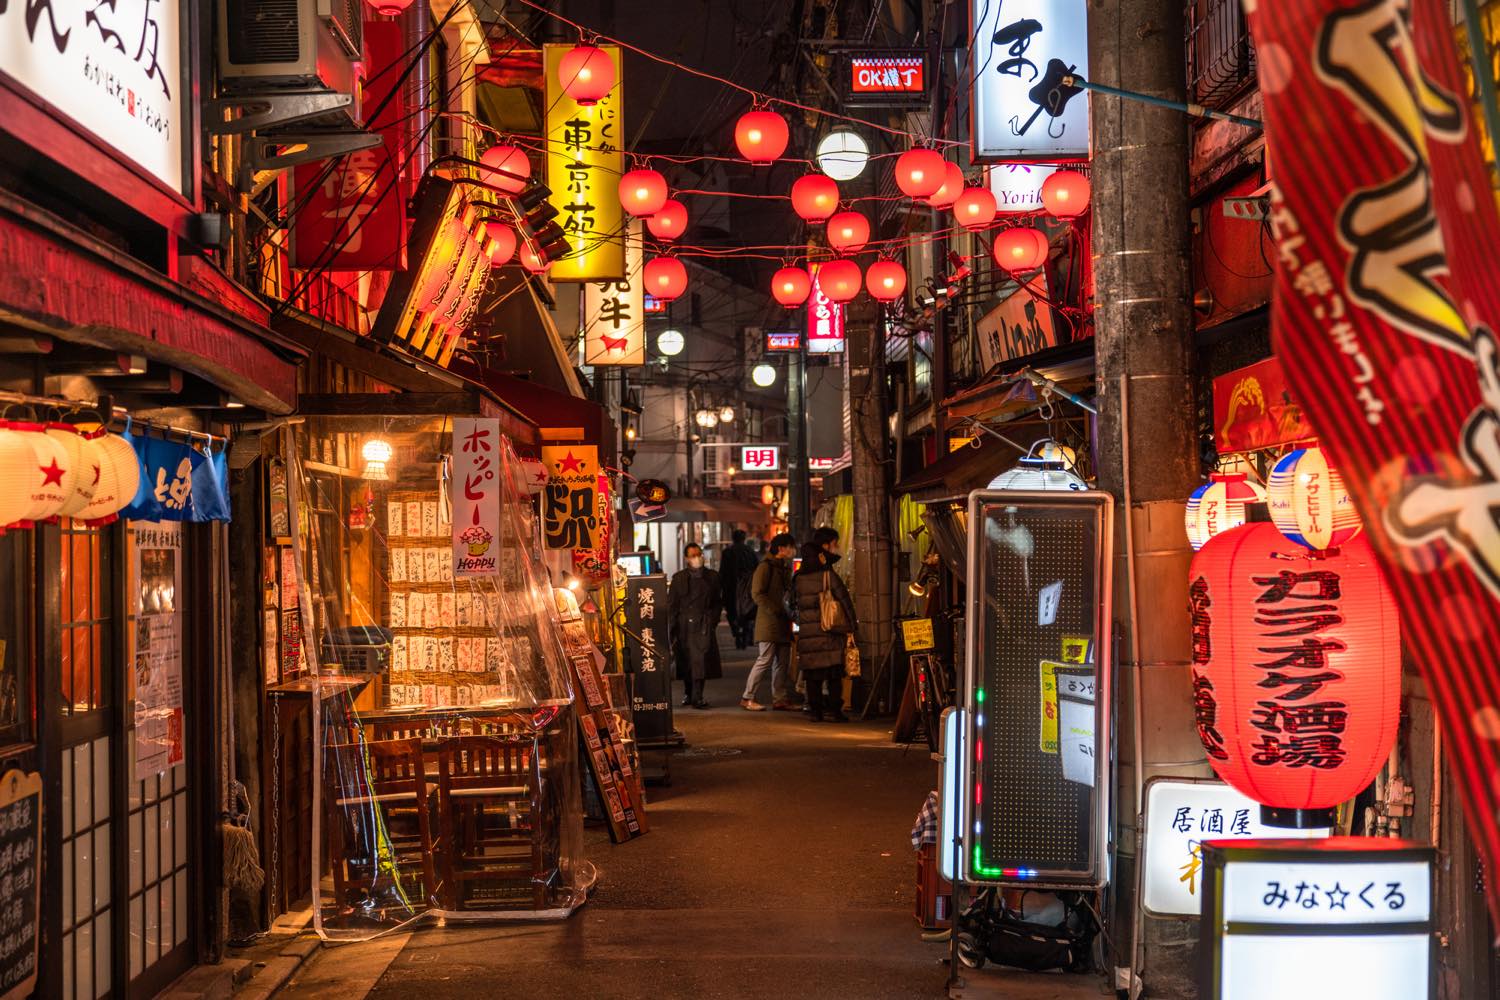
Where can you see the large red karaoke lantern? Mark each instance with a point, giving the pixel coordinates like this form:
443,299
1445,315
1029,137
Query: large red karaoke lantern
1065,194
848,232
953,186
815,197
1021,249
1219,505
791,286
886,280
1296,670
507,169
1309,501
839,280
642,192
920,172
975,208
502,243
586,74
666,278
669,223
761,136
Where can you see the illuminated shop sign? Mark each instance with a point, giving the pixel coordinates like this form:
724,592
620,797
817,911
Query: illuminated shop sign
760,458
1021,108
887,75
585,158
783,341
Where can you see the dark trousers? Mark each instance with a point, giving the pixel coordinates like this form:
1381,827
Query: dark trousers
820,704
692,689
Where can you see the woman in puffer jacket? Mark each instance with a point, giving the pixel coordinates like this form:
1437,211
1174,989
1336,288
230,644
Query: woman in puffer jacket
820,653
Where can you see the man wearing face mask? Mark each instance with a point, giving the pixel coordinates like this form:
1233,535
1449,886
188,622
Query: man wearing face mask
694,603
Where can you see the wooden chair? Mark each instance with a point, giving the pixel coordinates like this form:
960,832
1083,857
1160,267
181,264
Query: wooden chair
384,730
490,819
379,821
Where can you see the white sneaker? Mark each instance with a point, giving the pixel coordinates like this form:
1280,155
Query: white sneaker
751,706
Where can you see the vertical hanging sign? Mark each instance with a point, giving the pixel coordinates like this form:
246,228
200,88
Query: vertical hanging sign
1021,108
585,159
570,506
825,320
614,313
157,680
476,497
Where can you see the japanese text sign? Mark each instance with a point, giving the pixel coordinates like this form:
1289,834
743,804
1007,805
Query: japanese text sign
594,563
1019,326
113,68
476,496
870,75
783,341
646,639
1017,187
1021,109
179,482
570,505
917,634
614,313
585,158
760,458
20,882
825,320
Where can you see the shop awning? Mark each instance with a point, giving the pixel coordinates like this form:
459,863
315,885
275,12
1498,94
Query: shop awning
557,415
1011,392
700,509
960,472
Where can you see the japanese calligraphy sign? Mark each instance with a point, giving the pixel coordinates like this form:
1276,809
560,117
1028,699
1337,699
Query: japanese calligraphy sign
1021,110
1342,916
585,158
570,502
595,564
113,68
760,458
1017,187
476,496
20,882
1388,298
614,312
1180,815
1020,325
825,319
181,482
646,639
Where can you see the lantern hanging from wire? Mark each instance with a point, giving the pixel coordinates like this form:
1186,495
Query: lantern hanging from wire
815,197
531,260
886,280
1046,467
791,286
642,192
953,186
1219,505
586,74
768,494
17,464
120,479
45,484
1296,670
839,280
506,168
83,466
763,375
848,232
666,278
975,208
670,222
761,136
1065,194
1309,502
390,8
920,172
502,243
1021,249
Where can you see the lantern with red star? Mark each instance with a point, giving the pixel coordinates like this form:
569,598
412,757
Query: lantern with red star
83,466
44,482
119,479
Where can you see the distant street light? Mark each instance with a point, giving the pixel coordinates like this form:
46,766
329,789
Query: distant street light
706,419
763,375
726,415
670,343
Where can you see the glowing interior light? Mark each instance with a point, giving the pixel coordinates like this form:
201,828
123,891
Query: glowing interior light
585,73
642,193
754,135
979,695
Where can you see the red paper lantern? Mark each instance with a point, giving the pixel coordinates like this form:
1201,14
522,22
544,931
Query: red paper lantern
530,259
642,192
975,208
1065,194
1021,249
761,136
791,286
390,8
848,232
1296,669
670,222
666,278
434,281
920,172
886,280
953,186
514,163
815,197
502,245
839,280
586,74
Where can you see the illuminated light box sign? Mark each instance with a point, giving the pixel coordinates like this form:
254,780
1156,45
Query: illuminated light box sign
1181,814
1037,688
821,464
1021,110
585,158
1017,187
760,458
825,320
783,341
886,79
655,305
1341,917
614,313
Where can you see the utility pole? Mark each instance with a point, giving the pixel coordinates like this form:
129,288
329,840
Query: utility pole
799,516
870,548
1147,431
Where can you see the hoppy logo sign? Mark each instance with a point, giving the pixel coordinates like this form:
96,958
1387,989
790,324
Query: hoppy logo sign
476,496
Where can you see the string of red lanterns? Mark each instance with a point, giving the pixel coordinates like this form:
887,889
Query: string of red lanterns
587,74
669,222
665,278
642,192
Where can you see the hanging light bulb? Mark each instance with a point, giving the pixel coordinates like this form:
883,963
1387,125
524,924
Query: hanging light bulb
586,74
953,186
670,222
726,414
975,208
791,286
763,375
761,136
665,278
848,232
506,168
1065,194
886,280
642,192
815,197
377,454
920,172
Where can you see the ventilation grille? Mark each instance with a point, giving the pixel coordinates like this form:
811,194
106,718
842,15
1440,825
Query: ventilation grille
347,19
262,31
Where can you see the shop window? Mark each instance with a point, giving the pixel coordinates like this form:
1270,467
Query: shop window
85,618
15,645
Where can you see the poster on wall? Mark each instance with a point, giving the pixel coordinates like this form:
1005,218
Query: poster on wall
476,497
570,502
1024,48
158,648
585,158
20,882
614,312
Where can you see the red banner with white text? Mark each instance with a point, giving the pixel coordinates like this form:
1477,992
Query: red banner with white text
1387,293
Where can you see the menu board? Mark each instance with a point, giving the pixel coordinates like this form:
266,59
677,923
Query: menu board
645,638
609,760
20,881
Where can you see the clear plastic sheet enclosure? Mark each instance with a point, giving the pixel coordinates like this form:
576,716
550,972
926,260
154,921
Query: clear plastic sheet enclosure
447,774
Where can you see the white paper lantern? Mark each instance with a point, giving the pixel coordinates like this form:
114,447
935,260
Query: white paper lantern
1045,469
16,462
119,478
1219,505
45,484
1309,502
83,466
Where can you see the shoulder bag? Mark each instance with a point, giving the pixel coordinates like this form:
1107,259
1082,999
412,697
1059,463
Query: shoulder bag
830,611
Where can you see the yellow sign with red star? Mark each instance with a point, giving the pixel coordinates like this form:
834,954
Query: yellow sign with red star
570,500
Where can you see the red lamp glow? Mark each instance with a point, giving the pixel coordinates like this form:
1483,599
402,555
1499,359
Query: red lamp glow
670,222
848,232
1021,249
1296,669
502,245
920,172
390,8
839,280
508,169
886,280
791,286
666,278
815,197
1065,194
586,74
761,136
975,208
642,192
531,260
953,186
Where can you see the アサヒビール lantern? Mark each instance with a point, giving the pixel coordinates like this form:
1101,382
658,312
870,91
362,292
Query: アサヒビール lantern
815,197
670,222
761,136
975,208
886,280
848,232
839,280
1219,505
1309,502
586,73
1021,249
920,172
791,286
1296,668
666,278
642,192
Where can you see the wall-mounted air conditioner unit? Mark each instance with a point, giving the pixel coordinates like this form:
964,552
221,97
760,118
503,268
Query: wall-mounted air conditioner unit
270,45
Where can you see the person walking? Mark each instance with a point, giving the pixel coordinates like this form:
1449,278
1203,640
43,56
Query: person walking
820,650
770,587
736,568
694,602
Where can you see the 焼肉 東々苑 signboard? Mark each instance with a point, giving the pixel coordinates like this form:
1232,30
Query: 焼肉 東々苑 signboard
1022,49
585,158
651,687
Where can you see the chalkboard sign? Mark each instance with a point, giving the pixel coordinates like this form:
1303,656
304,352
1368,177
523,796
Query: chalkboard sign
646,639
20,881
1037,691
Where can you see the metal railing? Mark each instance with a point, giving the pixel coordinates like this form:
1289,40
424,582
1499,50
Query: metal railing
1220,55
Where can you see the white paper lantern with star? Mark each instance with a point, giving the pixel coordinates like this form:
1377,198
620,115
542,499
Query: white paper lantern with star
83,466
45,484
17,460
119,479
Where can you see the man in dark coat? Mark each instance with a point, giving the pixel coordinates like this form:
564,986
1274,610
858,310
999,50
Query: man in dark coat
820,653
736,567
773,625
694,603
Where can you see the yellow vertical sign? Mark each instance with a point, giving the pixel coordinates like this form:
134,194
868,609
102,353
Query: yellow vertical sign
585,158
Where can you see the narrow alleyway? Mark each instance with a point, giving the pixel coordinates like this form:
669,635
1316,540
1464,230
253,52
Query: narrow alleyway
778,866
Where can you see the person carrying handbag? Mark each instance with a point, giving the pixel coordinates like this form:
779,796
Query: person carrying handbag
825,620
